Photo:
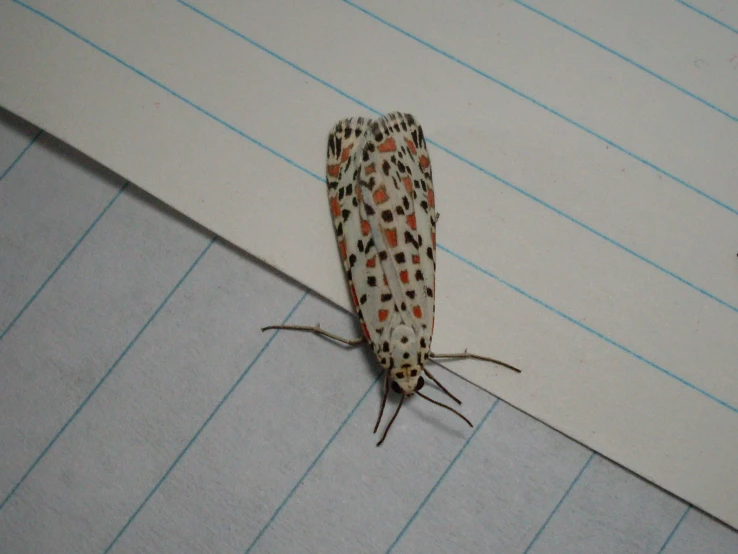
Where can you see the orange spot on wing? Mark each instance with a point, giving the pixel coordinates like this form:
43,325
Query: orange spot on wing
404,276
410,145
333,170
416,260
370,169
365,330
365,227
417,312
383,314
431,197
342,247
433,238
354,297
386,284
345,154
390,235
335,208
411,221
424,162
380,195
387,146
408,184
371,262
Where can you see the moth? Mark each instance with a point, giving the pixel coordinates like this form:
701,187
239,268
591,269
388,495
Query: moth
382,202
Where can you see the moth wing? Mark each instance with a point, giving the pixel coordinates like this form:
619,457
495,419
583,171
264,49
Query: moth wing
369,290
397,193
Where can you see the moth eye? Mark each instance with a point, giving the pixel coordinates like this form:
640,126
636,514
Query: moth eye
421,383
396,387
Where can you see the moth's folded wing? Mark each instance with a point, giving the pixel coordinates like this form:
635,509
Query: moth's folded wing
397,189
369,292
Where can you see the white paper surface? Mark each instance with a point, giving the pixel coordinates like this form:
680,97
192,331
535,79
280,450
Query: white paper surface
586,182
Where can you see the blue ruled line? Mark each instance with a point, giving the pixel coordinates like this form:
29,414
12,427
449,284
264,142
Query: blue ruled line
62,262
311,466
544,106
19,156
592,330
442,477
627,59
102,380
205,423
708,16
166,88
676,527
559,504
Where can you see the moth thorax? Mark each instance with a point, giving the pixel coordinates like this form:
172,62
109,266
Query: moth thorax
406,373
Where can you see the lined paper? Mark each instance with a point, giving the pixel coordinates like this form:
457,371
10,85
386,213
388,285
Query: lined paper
584,171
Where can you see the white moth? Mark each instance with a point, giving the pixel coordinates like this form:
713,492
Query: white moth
380,193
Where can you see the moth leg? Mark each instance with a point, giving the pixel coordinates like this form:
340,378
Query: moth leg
449,408
466,354
318,331
444,389
397,411
384,399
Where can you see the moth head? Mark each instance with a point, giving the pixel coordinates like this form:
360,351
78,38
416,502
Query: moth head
407,380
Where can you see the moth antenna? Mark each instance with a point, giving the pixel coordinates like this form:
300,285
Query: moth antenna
465,354
316,330
444,389
397,411
444,406
384,401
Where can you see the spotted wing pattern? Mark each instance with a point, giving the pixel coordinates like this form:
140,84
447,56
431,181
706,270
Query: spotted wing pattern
380,192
